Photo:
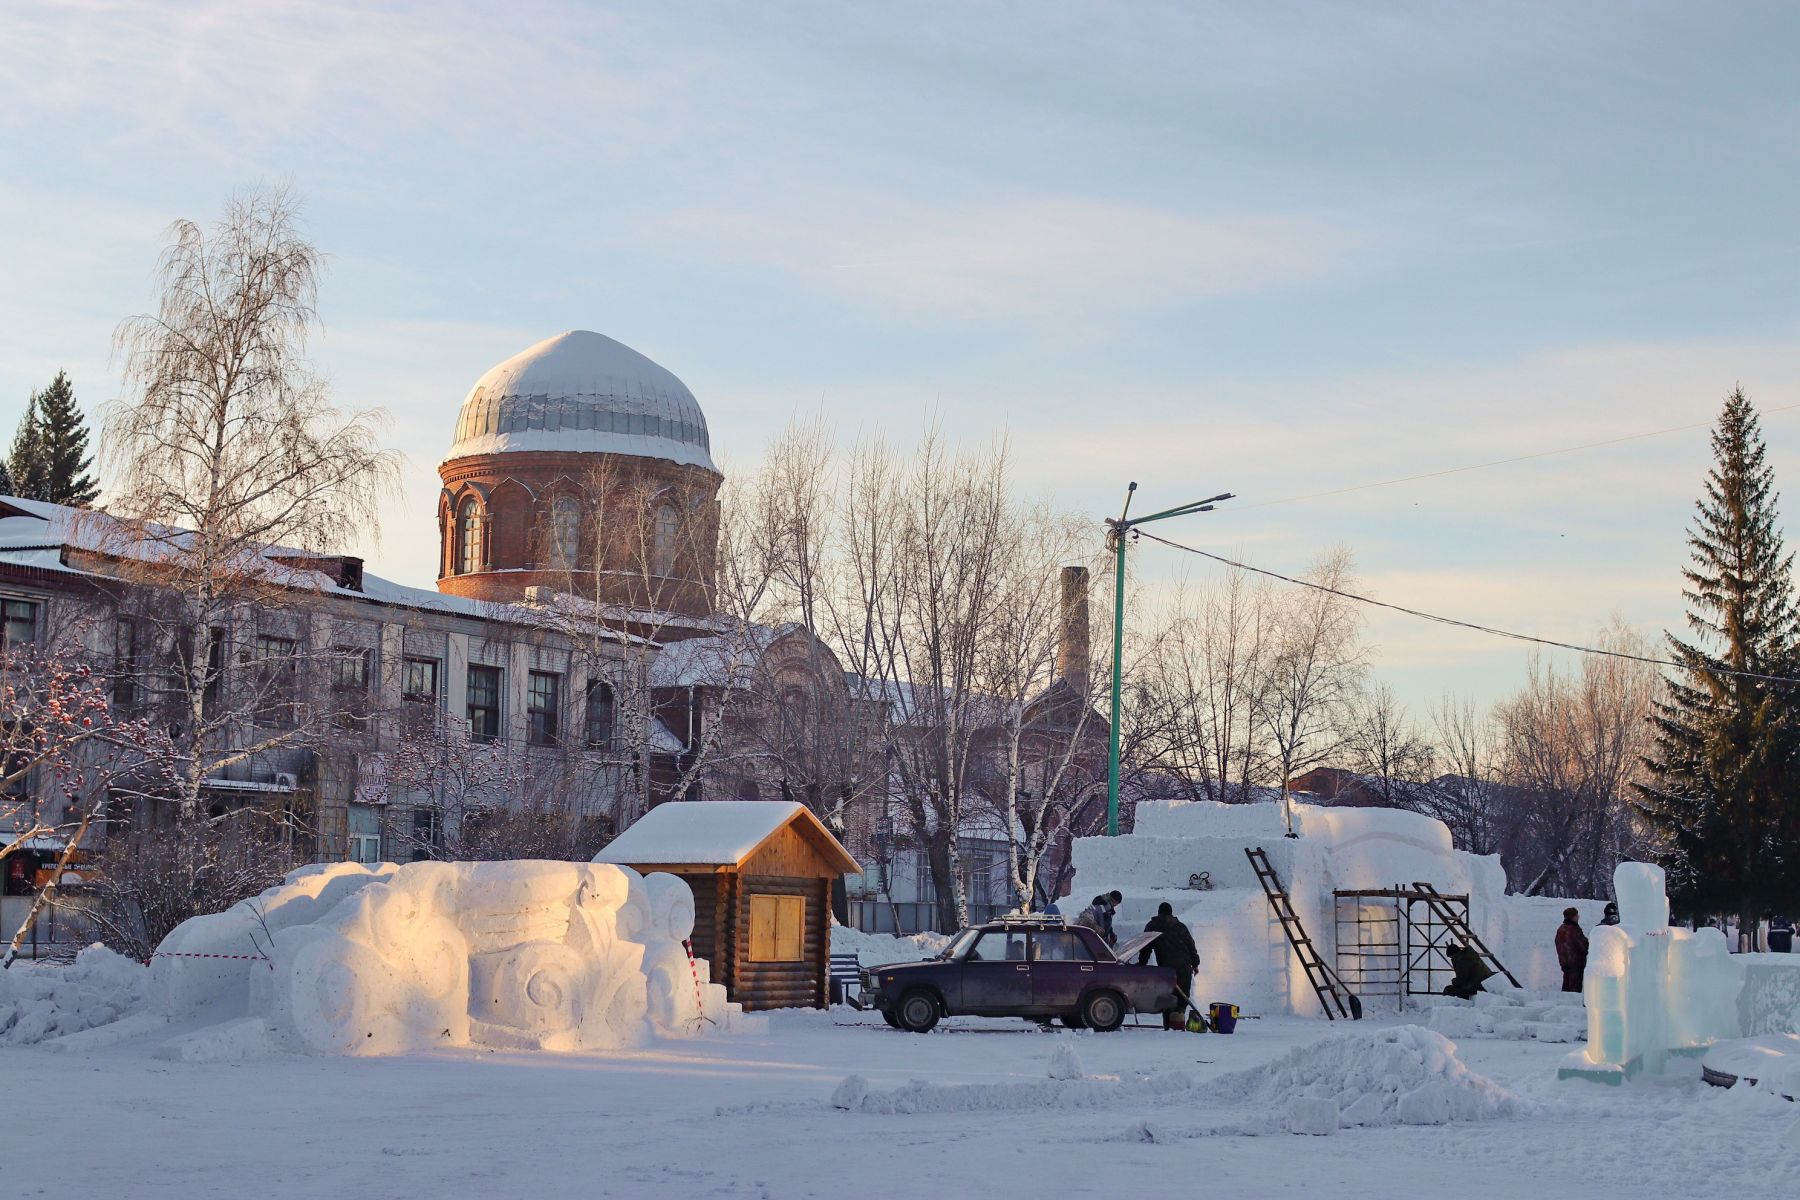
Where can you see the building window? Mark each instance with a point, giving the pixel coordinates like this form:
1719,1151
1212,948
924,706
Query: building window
212,684
600,714
777,928
468,537
565,532
125,666
484,703
350,686
424,834
365,834
20,627
277,664
419,681
668,526
542,700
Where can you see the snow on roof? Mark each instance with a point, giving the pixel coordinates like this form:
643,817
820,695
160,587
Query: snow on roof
581,391
727,660
35,534
709,832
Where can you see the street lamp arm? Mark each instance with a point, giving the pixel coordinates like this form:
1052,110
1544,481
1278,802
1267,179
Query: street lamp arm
1116,539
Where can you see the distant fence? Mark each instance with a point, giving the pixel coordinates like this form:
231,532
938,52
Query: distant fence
59,931
902,918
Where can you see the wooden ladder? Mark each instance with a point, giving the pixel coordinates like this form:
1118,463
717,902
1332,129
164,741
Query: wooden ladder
1456,925
1325,983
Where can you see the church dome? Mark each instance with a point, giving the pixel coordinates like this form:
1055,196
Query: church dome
583,392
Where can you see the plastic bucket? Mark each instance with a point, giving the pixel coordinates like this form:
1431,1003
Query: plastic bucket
1224,1016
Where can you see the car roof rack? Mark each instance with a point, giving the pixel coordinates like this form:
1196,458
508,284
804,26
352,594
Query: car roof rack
1031,919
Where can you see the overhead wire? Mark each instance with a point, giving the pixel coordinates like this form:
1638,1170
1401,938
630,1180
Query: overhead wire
1461,624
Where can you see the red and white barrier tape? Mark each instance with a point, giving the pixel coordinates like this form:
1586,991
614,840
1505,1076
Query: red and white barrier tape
234,957
699,996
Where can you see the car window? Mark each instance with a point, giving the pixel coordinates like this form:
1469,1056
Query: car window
999,946
1059,945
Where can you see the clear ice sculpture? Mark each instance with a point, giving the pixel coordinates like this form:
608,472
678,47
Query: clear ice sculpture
1652,991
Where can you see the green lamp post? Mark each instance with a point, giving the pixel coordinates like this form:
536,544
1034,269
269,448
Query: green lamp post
1116,537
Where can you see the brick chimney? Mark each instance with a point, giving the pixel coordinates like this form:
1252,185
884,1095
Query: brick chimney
1072,658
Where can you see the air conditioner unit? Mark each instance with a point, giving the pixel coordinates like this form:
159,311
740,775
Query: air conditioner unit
287,780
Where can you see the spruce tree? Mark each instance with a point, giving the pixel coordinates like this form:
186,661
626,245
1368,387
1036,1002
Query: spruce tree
1719,793
63,436
26,463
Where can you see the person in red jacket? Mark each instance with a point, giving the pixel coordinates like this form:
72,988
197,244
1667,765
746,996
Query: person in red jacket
1571,950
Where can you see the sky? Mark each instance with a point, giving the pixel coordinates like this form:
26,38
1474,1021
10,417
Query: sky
1274,249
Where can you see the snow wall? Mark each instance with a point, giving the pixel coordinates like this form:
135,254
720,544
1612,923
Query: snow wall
344,958
1244,956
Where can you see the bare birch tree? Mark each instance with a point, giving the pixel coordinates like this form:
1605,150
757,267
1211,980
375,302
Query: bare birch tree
233,476
1315,670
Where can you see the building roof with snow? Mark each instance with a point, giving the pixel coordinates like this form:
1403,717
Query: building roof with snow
584,392
720,833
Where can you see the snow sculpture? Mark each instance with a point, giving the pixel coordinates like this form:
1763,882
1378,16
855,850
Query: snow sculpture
1652,991
517,955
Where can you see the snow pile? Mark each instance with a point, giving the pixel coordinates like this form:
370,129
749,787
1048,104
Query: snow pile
346,959
38,1002
875,949
1406,1075
1509,1014
1065,1063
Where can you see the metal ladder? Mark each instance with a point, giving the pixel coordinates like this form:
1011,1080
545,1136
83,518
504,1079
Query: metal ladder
1325,983
1459,927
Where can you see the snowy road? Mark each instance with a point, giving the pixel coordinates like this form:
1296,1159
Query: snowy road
749,1117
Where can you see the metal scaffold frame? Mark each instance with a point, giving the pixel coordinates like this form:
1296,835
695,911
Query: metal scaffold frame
1391,941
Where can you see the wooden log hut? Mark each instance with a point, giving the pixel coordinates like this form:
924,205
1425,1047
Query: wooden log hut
761,872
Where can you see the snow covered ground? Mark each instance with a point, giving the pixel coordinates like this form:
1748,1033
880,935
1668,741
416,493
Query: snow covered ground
752,1116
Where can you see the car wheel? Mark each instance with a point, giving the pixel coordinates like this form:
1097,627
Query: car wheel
890,1018
1103,1011
918,1012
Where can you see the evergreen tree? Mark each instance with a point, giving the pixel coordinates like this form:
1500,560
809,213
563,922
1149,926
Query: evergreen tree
26,462
1719,791
50,458
6,480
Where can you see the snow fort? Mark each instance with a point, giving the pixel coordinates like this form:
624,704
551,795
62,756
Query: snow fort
343,958
1380,893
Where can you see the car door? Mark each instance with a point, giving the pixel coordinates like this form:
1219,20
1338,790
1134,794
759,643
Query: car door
1062,967
996,974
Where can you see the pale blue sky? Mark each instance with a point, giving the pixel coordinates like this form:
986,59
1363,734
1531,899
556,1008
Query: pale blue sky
1269,248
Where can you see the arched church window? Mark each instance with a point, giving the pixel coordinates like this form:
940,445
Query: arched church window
468,537
565,531
668,527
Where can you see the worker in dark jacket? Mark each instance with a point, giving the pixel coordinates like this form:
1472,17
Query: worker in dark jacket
1611,914
1175,950
1571,950
1470,971
1781,935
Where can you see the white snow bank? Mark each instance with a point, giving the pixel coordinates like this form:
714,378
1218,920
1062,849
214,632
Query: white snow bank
875,949
348,959
41,1001
1404,1075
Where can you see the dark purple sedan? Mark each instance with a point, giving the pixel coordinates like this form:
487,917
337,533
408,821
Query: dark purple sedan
1032,968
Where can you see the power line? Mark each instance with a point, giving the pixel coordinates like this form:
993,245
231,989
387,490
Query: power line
1498,462
1459,624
